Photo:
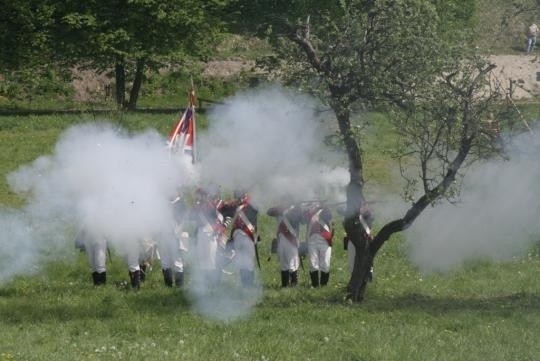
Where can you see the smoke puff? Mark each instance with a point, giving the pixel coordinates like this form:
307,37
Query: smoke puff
18,255
105,181
271,142
497,218
120,186
268,141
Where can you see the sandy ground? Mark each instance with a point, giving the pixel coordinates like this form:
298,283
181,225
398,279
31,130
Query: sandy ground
522,70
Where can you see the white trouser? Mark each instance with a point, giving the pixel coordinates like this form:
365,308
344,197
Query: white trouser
205,251
319,253
245,250
171,253
96,252
287,253
131,258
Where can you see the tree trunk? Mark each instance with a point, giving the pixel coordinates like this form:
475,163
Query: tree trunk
137,82
120,75
362,262
355,198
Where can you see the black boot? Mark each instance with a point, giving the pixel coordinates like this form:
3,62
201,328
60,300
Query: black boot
167,277
247,278
135,278
102,278
285,278
314,279
324,278
144,268
294,278
95,278
178,279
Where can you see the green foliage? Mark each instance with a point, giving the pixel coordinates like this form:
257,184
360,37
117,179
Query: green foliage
360,50
29,85
25,33
244,47
500,25
171,89
134,29
127,36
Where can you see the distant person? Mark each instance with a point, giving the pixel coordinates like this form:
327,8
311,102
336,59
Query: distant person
532,32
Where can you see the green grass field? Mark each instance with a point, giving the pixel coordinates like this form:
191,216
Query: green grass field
486,311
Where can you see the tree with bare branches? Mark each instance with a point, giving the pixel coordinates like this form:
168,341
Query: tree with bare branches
401,55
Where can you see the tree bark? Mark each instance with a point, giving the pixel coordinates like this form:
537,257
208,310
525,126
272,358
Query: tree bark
137,82
120,77
355,198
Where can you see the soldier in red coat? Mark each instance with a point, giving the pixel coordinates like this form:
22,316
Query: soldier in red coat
96,252
364,218
319,236
244,236
289,218
174,245
209,231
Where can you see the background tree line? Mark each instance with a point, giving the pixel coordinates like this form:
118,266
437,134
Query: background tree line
127,37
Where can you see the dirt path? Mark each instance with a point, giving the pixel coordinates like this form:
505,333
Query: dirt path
522,70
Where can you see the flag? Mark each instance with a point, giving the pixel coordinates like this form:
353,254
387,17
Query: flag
182,136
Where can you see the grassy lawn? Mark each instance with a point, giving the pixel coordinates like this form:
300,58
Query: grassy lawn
488,312
485,311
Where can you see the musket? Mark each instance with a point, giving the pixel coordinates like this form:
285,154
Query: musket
257,252
322,202
325,202
313,201
109,255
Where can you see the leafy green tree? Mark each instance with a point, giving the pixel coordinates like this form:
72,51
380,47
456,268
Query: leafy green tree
130,36
24,33
397,54
27,58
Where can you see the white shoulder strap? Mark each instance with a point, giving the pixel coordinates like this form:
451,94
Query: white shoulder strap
317,219
364,224
240,213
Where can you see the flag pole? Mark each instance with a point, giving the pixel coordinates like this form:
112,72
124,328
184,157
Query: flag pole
184,133
192,101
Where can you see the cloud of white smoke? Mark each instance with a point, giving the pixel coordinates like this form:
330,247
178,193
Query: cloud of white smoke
120,186
496,219
19,254
225,302
270,141
99,179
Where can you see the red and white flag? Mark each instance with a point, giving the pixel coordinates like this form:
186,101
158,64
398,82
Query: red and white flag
182,136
